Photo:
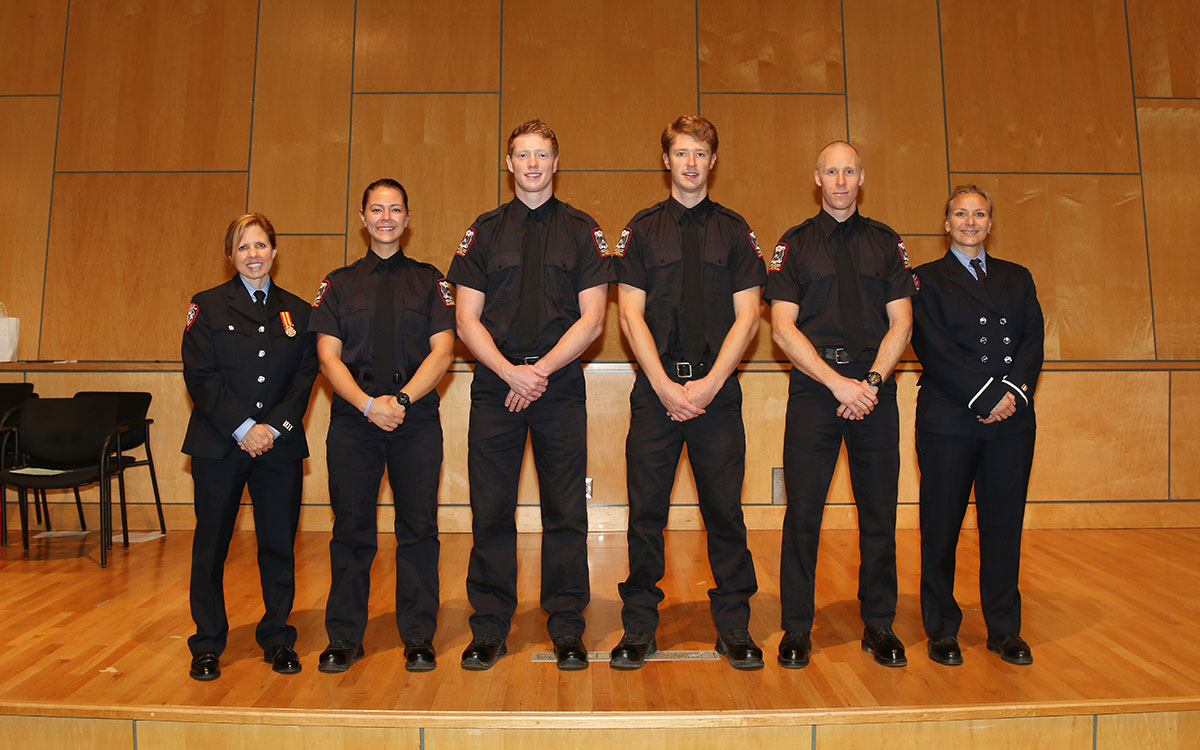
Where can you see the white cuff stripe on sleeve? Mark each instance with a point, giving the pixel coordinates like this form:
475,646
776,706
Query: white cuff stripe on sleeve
1020,392
971,403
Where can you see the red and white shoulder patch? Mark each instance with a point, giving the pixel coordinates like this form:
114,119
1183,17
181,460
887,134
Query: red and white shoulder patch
754,243
903,255
623,242
446,292
601,243
193,312
777,257
321,290
468,239
916,281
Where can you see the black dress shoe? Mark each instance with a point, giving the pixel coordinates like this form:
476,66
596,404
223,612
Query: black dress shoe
570,653
483,653
740,649
205,667
944,650
884,644
419,655
339,655
282,659
634,649
794,650
1011,649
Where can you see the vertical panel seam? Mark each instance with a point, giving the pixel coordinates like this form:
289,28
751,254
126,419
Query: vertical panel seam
696,29
349,137
62,74
1170,440
1137,138
1095,729
500,105
945,109
253,99
845,77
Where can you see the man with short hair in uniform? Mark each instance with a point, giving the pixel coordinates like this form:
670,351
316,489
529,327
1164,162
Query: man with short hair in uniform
385,338
839,286
690,275
532,281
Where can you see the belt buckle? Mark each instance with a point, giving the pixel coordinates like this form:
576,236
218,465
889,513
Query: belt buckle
841,356
683,370
529,360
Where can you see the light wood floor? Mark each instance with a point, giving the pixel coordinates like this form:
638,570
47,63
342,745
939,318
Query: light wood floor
1113,618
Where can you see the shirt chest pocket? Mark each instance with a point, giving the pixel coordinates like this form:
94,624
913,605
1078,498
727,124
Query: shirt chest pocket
717,280
354,321
415,320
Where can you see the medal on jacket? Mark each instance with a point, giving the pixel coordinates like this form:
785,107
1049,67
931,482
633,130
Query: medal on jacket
285,317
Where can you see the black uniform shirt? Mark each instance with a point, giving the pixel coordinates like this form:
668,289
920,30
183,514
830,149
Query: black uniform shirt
649,256
422,302
803,270
488,260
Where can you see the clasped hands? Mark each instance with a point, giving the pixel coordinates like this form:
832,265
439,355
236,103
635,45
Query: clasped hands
526,384
385,413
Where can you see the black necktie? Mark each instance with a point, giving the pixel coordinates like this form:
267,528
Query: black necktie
385,326
260,298
691,320
849,299
977,266
532,271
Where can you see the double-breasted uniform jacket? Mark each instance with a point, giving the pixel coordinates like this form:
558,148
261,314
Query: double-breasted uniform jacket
976,342
239,362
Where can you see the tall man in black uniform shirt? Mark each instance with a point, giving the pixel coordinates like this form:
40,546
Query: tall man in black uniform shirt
527,331
839,286
383,415
690,276
249,363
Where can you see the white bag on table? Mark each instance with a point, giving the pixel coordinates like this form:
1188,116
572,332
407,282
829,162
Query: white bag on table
9,329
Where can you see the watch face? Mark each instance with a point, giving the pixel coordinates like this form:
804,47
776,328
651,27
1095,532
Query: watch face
403,399
874,378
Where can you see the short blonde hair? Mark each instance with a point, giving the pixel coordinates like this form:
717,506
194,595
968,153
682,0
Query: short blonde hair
238,227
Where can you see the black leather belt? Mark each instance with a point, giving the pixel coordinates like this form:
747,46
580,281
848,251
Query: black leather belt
365,374
685,370
521,360
840,356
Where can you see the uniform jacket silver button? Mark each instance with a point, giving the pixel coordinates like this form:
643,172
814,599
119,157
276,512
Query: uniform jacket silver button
1004,321
983,321
231,328
262,378
262,329
1008,360
983,339
262,352
258,405
983,358
1007,340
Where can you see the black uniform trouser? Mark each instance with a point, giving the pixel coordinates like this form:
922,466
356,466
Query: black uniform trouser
357,452
275,490
716,443
557,426
999,470
812,440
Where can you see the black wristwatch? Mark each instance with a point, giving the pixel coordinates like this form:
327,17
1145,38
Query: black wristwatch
874,378
403,399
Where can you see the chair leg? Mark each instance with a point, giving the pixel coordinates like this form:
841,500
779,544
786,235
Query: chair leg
3,515
124,518
162,524
23,502
45,509
105,520
37,509
79,507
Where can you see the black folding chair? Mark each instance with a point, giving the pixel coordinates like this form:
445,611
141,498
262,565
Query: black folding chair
132,407
65,442
12,395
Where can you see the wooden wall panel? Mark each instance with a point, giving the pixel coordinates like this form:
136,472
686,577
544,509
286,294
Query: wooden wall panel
27,152
615,49
1101,436
1171,179
1095,308
1185,435
179,735
31,46
795,737
415,46
1048,732
1163,38
894,105
1169,730
764,46
52,733
1040,87
441,148
117,286
149,85
302,114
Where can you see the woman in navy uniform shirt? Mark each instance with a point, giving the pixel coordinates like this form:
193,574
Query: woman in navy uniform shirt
978,334
249,363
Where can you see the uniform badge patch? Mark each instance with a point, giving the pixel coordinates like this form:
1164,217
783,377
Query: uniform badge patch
623,242
903,255
467,240
778,256
916,281
193,311
754,243
321,292
601,243
446,292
